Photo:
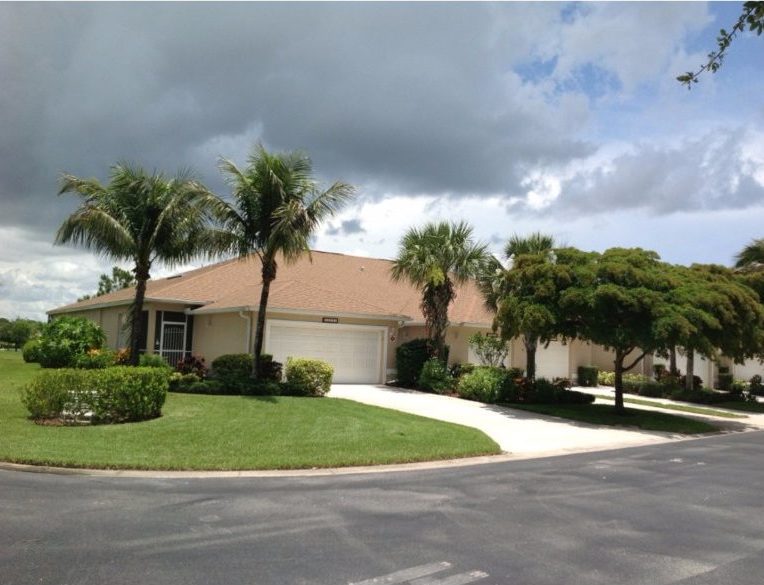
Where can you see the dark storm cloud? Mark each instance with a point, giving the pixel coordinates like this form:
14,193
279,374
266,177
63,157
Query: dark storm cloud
346,228
417,98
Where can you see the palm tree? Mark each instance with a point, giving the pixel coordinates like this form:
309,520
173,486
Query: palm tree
138,217
434,259
535,244
751,257
277,206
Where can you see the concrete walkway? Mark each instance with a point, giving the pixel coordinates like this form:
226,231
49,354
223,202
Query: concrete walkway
516,431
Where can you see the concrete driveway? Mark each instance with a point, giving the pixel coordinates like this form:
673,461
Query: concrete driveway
517,432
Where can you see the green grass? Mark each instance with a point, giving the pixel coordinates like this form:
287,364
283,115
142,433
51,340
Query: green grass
743,406
603,414
232,432
679,407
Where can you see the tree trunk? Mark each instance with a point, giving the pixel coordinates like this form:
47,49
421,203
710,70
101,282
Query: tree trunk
435,302
672,362
689,382
136,312
530,357
269,275
618,366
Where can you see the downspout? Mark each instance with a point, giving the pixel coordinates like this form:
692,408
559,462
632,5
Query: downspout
248,318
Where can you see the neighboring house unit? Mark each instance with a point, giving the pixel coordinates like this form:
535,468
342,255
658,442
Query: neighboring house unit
343,309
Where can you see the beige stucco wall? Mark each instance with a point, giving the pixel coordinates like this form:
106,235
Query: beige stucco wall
456,339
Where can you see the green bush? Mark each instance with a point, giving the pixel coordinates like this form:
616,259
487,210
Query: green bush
410,358
573,397
65,338
182,382
31,351
755,386
207,387
435,377
725,381
309,377
192,364
605,378
484,384
152,360
515,373
652,389
233,371
699,396
111,395
95,359
740,386
265,388
269,370
458,370
490,349
587,376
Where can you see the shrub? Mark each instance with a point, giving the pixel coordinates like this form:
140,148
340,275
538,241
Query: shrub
207,387
122,357
410,358
587,376
573,397
31,351
435,377
269,370
182,382
652,389
483,384
490,349
233,371
94,359
605,378
309,377
697,382
458,370
152,360
699,396
755,386
192,364
632,382
118,394
725,381
515,372
264,388
659,370
562,383
65,338
740,386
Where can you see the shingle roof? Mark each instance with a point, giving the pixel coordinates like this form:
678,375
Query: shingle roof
326,282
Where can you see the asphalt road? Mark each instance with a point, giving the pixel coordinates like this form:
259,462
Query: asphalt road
688,513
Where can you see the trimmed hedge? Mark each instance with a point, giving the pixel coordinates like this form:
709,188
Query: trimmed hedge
410,358
435,377
587,376
308,377
234,372
111,395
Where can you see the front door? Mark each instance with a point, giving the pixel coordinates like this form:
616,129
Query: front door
173,342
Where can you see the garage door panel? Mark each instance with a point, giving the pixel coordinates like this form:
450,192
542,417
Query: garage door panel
355,354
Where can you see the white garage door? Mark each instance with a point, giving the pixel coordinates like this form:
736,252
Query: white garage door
747,370
552,362
354,351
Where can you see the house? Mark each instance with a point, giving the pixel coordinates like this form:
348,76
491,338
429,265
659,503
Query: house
340,308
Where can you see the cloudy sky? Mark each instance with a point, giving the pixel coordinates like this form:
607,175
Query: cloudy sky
516,117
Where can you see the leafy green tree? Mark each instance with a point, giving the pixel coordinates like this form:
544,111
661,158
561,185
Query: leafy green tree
142,218
18,331
620,299
724,313
751,18
277,206
490,349
118,280
65,338
434,258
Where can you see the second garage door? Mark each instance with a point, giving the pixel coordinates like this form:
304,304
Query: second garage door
356,352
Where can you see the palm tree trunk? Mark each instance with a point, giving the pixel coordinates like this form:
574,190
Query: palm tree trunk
689,382
136,312
269,275
530,357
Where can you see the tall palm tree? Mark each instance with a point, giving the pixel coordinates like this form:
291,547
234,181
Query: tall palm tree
138,217
536,245
434,258
277,206
751,257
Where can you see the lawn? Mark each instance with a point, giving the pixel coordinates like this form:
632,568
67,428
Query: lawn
678,407
603,414
232,432
742,406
